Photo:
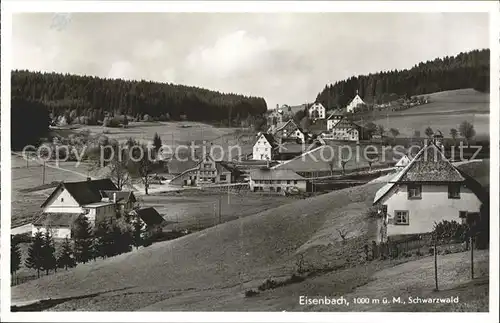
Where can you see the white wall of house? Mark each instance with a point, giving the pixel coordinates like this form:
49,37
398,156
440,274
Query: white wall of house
276,185
57,232
100,212
434,206
354,103
63,203
348,134
332,122
262,150
319,108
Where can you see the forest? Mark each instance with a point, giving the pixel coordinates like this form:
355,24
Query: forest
465,70
95,98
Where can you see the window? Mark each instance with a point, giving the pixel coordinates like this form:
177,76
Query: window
222,177
401,218
62,199
414,191
454,191
295,182
288,182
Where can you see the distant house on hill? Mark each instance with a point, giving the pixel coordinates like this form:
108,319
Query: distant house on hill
289,131
354,103
345,130
317,111
95,199
334,118
206,172
426,191
151,221
265,147
268,180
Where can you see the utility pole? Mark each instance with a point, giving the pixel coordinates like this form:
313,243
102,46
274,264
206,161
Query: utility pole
43,176
435,261
220,206
471,257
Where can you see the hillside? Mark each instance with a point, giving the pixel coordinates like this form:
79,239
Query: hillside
465,70
256,247
446,110
92,96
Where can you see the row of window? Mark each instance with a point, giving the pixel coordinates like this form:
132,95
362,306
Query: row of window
415,191
275,182
402,217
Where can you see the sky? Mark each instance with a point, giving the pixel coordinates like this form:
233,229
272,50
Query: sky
287,58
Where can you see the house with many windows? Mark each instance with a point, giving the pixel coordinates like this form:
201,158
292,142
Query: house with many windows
277,181
289,131
344,130
317,111
97,200
354,103
265,147
426,191
334,118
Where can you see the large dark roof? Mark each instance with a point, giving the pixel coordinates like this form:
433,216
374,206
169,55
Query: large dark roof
150,216
85,192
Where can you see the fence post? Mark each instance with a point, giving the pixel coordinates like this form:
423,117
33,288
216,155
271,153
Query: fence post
435,262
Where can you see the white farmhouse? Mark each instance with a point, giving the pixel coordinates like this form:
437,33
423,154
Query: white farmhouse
278,181
317,111
265,147
334,118
94,199
354,103
344,130
428,190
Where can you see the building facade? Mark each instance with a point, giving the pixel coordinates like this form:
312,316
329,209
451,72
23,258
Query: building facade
317,111
427,191
276,181
265,147
354,103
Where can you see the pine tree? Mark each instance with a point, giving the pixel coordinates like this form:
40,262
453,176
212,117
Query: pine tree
157,142
137,232
49,258
15,256
82,238
66,257
35,253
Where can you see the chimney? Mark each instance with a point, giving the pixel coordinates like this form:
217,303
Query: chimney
114,197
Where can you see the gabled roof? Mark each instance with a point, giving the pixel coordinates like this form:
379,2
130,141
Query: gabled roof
403,161
338,112
357,96
344,123
429,165
284,124
275,174
121,196
269,138
150,216
84,192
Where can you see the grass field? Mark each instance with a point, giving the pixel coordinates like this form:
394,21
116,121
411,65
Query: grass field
445,111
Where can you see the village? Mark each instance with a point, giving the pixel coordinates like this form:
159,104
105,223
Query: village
221,167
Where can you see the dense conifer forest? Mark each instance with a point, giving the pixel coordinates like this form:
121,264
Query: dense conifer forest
465,70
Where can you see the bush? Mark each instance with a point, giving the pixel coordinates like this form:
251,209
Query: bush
268,284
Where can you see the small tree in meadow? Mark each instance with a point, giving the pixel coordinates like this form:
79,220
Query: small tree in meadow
429,132
467,131
453,134
157,142
35,254
66,257
15,256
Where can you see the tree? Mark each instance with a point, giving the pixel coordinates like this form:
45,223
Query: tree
49,258
380,130
142,165
118,166
82,239
394,132
453,133
467,131
343,163
157,142
429,132
35,253
15,256
66,258
138,229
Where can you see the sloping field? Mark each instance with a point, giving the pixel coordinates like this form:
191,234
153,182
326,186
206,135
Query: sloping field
170,132
216,264
446,110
